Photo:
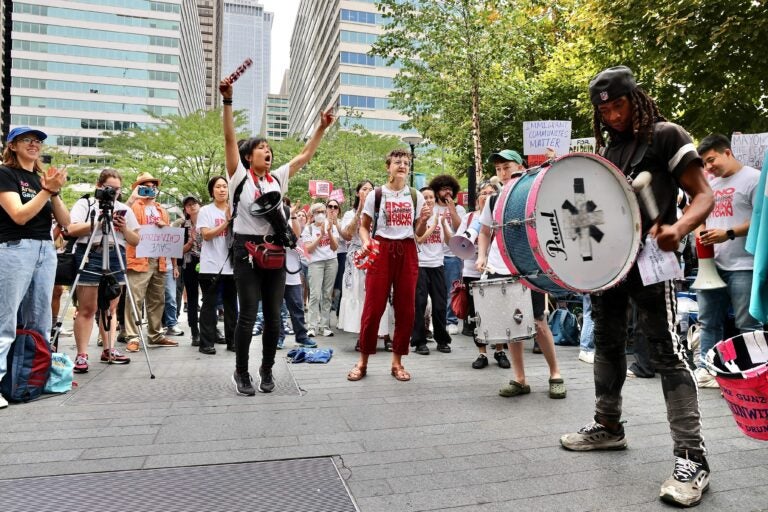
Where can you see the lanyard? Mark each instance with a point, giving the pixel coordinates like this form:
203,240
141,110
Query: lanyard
256,180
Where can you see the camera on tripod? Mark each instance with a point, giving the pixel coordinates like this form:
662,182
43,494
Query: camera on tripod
106,195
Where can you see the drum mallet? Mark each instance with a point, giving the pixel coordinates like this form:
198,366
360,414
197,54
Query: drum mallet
642,186
239,71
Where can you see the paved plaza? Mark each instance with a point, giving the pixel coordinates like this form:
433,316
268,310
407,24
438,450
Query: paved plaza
444,441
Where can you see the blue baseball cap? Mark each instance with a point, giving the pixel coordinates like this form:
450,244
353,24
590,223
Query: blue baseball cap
21,130
506,155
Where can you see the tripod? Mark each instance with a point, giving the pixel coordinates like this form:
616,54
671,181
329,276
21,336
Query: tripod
108,243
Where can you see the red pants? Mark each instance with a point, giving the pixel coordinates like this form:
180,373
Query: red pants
396,266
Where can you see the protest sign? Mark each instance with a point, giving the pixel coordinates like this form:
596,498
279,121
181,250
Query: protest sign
337,194
539,135
749,148
155,242
583,145
320,188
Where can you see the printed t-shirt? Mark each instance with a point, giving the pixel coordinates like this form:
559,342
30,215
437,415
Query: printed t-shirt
213,253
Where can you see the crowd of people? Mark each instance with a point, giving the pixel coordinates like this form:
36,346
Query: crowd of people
384,266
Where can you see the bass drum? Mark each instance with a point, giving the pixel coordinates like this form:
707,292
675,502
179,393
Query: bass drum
570,226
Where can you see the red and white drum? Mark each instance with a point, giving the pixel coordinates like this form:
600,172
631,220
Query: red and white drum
569,226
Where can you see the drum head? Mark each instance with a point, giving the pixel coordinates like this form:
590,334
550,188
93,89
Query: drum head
587,231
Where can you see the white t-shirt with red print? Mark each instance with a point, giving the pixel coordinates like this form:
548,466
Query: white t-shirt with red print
213,253
734,199
323,250
445,212
431,249
396,213
245,223
494,256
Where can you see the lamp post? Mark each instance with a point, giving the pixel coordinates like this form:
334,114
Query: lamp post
412,141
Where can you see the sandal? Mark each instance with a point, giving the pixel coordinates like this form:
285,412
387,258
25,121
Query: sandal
557,388
400,374
357,373
514,388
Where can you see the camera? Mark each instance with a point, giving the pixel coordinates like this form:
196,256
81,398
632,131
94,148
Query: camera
145,191
106,194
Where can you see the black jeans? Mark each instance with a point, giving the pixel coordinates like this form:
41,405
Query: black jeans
209,284
254,284
431,283
657,308
191,284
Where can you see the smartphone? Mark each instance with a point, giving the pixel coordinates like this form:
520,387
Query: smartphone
120,213
46,159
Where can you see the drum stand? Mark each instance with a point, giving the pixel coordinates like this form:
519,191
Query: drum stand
107,231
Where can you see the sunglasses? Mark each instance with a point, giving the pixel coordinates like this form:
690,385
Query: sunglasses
333,206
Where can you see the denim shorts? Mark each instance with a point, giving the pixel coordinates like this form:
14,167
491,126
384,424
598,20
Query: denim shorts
92,271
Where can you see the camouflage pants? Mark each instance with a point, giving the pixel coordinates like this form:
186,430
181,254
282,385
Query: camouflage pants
657,309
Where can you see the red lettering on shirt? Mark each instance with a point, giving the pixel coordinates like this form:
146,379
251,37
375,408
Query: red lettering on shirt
723,203
398,213
219,222
324,241
435,237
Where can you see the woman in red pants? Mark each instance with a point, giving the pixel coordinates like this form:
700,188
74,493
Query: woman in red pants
401,211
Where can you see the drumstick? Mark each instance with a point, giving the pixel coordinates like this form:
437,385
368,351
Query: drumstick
642,186
239,71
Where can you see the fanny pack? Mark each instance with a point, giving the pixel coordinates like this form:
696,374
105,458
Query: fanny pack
266,255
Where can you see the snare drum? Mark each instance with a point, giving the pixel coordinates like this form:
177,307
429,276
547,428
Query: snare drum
504,310
570,226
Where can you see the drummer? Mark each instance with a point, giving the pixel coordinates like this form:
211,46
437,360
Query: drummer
509,165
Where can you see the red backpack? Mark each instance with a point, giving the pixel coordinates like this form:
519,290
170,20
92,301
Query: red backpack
29,365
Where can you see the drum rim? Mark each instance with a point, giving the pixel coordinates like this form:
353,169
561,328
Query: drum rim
498,217
530,210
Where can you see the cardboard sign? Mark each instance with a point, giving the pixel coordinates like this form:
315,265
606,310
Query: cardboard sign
337,194
155,242
463,198
320,188
749,148
583,145
539,135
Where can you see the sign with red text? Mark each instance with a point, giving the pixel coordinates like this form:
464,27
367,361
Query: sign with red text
463,198
337,194
320,188
156,242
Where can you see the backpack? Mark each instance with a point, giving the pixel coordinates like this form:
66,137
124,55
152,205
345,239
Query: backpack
565,327
29,365
377,206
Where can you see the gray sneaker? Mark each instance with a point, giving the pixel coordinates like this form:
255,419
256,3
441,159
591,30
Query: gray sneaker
688,482
594,436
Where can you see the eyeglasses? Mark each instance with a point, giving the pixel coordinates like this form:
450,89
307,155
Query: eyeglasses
333,206
30,141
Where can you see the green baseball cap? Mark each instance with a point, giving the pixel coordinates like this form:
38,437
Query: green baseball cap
507,155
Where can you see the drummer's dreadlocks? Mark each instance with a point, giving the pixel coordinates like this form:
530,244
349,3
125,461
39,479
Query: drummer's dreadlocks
645,113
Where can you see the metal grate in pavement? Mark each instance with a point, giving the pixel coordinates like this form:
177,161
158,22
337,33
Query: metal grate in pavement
298,485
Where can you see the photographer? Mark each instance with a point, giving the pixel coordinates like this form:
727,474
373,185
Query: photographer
146,276
126,227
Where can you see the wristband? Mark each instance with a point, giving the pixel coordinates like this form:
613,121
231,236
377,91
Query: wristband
227,101
53,194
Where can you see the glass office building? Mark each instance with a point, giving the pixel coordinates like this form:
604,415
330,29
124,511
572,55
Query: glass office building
84,67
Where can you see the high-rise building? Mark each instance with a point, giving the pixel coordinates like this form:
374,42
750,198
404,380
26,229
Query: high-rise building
192,93
247,34
330,65
211,14
274,123
85,67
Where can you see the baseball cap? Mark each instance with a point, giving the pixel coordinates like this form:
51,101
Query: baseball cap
610,84
21,130
508,155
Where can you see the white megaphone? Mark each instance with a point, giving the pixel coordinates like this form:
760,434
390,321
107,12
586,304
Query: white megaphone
463,246
707,278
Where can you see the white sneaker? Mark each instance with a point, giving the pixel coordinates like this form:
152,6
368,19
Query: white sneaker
453,329
704,379
311,333
3,402
631,374
326,332
587,356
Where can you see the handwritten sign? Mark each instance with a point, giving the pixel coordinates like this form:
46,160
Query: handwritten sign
749,148
656,265
155,242
583,145
320,188
539,135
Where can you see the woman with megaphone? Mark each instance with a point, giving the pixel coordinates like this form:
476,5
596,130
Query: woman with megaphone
255,246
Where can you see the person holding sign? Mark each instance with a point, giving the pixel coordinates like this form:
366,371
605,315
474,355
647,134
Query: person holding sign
640,139
249,167
146,276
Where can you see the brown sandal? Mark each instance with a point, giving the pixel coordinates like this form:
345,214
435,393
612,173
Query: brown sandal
400,374
357,373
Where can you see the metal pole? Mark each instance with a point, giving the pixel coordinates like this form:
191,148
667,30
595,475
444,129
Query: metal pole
413,158
5,121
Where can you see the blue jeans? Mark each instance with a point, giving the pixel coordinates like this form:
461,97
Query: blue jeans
294,300
587,343
453,268
169,315
713,308
27,273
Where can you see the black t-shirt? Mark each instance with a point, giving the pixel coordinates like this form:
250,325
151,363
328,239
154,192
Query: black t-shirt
27,185
667,157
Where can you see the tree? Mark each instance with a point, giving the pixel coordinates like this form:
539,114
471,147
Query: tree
185,151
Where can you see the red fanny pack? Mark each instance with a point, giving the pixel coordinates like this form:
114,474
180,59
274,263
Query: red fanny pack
267,256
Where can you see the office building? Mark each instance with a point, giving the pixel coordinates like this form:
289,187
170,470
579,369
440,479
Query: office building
274,123
247,35
85,67
330,65
192,90
211,14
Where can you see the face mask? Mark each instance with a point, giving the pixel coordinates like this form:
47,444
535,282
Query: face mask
320,218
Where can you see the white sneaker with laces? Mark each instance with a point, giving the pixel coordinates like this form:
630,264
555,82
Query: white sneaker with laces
326,332
453,329
587,356
704,379
688,482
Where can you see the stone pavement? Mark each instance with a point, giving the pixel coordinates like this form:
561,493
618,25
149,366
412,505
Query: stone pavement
444,441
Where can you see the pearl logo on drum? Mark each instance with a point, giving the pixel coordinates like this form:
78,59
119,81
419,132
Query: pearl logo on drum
555,245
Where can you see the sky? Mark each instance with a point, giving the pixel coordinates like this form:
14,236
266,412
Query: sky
282,28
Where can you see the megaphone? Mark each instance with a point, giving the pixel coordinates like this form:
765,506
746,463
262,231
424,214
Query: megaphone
463,246
707,278
268,205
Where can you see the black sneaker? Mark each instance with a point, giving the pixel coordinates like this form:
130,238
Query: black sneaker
594,436
688,482
480,363
467,330
422,349
243,384
267,383
195,340
501,359
444,348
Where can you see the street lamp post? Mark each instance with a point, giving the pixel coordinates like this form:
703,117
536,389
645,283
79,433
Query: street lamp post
412,141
